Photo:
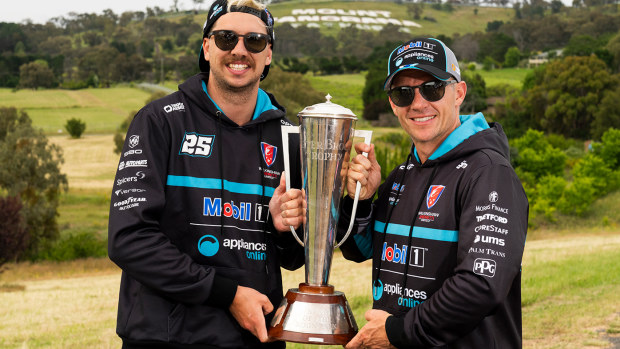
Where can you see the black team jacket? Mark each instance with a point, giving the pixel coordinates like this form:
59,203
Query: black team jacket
189,220
446,238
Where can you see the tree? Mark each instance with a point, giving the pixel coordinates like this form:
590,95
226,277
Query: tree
475,100
13,233
36,74
567,94
31,170
293,90
512,57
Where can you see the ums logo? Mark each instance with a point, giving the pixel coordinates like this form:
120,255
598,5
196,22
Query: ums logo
208,245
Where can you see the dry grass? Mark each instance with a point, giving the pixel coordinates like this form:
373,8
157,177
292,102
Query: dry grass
73,304
90,161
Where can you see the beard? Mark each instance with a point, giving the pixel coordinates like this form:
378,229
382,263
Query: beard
237,93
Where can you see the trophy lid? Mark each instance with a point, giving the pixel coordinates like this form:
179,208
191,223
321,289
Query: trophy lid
328,110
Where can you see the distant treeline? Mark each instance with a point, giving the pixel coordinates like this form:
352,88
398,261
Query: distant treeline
82,50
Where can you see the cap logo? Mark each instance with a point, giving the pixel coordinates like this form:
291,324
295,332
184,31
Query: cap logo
399,62
217,9
269,19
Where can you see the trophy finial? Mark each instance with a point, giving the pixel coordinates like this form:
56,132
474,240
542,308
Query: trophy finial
328,98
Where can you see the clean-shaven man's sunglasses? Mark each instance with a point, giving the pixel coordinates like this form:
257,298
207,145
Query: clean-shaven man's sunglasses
226,40
432,91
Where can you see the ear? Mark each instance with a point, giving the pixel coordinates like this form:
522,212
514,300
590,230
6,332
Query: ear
269,55
460,91
205,48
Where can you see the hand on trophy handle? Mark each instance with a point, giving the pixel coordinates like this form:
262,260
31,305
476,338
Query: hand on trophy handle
373,334
249,308
365,170
287,207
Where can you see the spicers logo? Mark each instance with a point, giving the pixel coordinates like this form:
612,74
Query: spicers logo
269,153
434,192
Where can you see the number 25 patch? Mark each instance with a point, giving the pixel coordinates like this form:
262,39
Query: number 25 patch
195,144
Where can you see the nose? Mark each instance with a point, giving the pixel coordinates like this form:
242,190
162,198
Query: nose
239,48
418,101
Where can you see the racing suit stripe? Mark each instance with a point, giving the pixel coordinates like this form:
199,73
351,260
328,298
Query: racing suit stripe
214,183
418,232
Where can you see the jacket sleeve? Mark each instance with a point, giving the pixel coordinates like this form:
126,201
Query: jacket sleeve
493,214
136,242
358,246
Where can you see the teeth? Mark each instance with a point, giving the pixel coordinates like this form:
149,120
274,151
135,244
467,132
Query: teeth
238,66
424,119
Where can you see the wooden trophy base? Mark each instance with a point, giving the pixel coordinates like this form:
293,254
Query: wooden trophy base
314,315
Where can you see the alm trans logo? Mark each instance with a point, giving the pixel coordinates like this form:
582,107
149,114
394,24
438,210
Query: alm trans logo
377,290
208,245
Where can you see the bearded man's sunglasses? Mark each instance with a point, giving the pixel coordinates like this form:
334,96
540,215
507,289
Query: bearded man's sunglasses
226,40
432,91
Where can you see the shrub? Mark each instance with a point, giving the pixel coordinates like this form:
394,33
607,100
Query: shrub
75,127
75,246
391,150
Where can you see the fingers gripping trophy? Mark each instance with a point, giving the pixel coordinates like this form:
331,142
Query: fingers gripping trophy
316,313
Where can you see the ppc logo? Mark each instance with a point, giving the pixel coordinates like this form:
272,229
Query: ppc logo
208,245
485,267
377,290
269,153
434,192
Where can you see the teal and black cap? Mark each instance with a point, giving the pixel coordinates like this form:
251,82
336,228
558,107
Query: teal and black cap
219,8
425,54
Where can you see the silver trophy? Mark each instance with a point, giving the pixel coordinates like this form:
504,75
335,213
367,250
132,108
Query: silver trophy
316,313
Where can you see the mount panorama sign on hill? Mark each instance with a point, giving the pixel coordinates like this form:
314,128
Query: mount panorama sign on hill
362,19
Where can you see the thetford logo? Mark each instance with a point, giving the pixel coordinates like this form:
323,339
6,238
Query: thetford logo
491,217
174,107
214,207
134,140
208,245
434,192
269,153
377,290
485,267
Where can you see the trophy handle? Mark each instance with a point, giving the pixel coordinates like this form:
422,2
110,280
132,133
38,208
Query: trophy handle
367,135
287,164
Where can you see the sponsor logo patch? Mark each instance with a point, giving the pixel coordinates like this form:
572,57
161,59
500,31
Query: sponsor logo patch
433,195
269,153
485,267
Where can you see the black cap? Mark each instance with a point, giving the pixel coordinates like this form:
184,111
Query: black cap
220,8
425,54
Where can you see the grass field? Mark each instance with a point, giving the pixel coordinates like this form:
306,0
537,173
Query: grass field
571,297
571,270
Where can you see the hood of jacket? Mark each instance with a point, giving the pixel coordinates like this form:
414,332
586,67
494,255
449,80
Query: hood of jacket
474,134
267,108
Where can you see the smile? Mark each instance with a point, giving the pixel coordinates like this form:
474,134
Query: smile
423,119
238,67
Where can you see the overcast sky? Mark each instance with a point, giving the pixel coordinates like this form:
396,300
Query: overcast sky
40,11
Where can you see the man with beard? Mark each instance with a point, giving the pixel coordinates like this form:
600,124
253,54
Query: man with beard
189,218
